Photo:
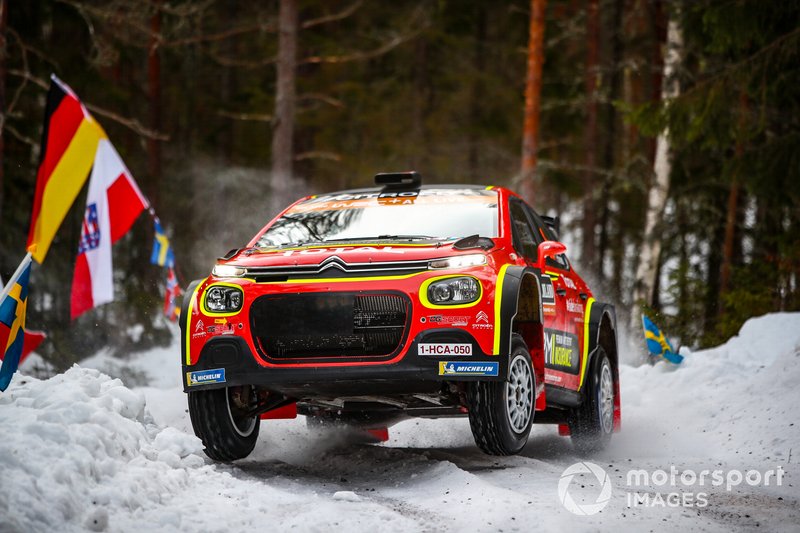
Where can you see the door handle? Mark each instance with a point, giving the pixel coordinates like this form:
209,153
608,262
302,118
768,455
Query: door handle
561,292
583,295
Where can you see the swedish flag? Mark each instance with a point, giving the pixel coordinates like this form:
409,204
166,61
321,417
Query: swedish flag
657,343
162,251
12,326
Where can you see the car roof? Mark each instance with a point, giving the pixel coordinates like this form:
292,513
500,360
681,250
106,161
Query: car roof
369,190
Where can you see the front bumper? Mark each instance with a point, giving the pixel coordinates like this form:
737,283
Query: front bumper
228,350
228,361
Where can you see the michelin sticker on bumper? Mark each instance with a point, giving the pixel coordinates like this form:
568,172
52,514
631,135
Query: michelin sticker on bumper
203,377
445,349
460,368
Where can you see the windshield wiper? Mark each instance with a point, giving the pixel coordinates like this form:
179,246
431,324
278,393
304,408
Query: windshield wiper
385,238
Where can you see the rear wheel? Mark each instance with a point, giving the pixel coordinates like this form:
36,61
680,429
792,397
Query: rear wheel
501,412
219,418
592,423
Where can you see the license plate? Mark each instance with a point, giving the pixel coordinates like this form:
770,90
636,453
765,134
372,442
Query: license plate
445,349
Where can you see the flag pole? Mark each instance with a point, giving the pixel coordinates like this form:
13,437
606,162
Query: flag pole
17,273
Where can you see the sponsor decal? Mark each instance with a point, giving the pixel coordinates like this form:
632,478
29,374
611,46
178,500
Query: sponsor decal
312,251
199,330
550,378
445,349
574,307
482,321
568,282
548,294
220,321
333,202
561,351
449,320
461,368
211,330
201,377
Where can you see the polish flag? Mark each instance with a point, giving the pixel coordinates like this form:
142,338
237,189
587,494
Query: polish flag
112,205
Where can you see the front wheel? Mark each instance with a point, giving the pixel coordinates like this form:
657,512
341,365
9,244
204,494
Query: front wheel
219,418
592,423
501,412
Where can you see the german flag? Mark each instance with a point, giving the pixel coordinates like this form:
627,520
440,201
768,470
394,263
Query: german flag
69,143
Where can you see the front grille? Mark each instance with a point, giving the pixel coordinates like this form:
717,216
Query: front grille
330,324
334,267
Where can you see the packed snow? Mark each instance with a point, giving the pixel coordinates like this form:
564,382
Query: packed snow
83,451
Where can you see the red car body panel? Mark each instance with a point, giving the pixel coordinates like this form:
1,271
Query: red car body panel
560,344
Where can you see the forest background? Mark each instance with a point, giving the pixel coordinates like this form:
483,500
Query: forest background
662,128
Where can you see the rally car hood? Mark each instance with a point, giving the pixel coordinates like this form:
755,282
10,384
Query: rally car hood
348,253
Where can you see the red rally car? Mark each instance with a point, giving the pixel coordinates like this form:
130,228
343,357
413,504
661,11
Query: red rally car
370,306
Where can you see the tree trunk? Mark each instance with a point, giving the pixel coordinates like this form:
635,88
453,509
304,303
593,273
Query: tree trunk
589,221
610,134
650,250
533,94
477,93
732,217
285,97
3,46
154,97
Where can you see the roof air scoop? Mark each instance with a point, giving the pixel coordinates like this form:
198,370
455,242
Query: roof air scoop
409,179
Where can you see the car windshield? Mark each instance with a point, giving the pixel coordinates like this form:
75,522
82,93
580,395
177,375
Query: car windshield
429,214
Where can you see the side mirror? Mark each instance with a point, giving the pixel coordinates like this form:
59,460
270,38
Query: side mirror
549,249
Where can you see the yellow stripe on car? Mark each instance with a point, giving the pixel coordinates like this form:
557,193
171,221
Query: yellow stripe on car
585,341
189,321
498,300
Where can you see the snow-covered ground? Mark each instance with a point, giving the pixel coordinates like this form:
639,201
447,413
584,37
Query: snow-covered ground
81,451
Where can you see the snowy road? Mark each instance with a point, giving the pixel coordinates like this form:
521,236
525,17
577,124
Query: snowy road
81,451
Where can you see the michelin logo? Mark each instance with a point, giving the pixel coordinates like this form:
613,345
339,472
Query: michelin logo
202,377
449,368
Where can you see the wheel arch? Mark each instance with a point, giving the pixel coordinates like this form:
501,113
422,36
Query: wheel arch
601,328
519,311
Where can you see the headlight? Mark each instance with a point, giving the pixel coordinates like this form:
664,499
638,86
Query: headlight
223,299
454,291
459,261
228,271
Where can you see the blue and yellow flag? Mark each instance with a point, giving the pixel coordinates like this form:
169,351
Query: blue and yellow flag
12,326
657,343
162,251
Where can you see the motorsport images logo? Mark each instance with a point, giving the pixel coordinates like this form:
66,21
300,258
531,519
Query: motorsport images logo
584,506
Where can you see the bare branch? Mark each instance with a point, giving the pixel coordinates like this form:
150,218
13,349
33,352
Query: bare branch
236,62
264,27
256,117
10,108
360,56
130,123
29,77
330,156
333,17
13,131
330,100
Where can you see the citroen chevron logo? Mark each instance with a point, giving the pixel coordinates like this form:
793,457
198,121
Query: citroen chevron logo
333,262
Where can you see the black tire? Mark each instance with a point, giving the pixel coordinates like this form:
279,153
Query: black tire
217,419
592,423
492,407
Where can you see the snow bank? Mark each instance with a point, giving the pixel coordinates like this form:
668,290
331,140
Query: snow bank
81,451
78,443
738,401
